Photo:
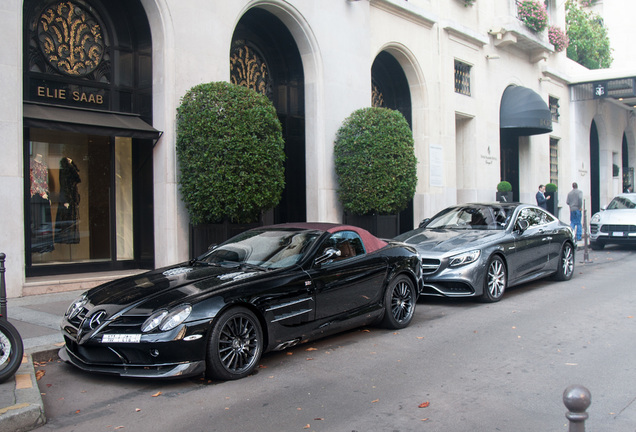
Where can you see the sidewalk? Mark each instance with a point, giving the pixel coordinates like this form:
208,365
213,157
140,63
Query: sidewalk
37,318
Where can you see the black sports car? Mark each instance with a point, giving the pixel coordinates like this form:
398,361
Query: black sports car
477,250
266,289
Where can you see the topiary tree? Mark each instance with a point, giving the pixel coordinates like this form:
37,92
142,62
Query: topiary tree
504,186
375,162
230,151
589,41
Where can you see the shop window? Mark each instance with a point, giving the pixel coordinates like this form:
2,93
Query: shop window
70,197
462,78
554,161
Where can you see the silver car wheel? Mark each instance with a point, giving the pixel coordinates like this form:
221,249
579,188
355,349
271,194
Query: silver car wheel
565,270
496,280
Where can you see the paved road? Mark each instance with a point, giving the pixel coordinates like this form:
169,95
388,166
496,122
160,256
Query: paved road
478,367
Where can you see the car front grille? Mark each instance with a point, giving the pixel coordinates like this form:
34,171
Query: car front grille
430,265
618,228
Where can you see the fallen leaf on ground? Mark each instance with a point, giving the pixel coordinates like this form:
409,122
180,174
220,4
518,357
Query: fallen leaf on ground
137,409
307,426
424,404
39,374
309,358
119,427
157,394
311,349
374,401
77,412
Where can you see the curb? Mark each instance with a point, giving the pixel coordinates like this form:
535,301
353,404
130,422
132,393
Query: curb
27,413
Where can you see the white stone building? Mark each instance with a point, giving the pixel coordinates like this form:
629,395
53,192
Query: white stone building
91,87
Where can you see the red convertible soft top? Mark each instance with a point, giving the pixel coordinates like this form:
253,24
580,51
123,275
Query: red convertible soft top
371,242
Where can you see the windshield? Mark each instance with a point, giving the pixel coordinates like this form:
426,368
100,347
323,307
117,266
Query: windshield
267,249
472,217
621,202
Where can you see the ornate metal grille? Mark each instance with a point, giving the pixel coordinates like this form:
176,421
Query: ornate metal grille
249,69
377,98
70,39
462,78
554,161
554,108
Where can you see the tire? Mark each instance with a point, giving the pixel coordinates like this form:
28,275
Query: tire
235,345
565,269
496,280
597,245
11,350
399,303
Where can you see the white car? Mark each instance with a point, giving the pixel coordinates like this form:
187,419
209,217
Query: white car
616,223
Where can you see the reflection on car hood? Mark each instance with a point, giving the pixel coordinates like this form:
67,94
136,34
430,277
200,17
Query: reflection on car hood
618,217
441,241
167,286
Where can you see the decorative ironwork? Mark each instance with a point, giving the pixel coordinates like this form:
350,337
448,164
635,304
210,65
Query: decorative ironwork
554,161
554,108
377,98
249,69
71,39
462,78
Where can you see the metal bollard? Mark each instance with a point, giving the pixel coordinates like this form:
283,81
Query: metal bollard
577,399
3,288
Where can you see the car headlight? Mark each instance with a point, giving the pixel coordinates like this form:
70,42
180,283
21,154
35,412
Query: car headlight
464,258
596,218
76,306
166,320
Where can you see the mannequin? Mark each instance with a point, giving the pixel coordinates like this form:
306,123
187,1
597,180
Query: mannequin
66,228
41,223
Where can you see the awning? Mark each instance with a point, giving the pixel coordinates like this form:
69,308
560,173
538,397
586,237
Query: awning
88,122
524,112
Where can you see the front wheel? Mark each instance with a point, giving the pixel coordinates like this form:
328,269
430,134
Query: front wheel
235,345
399,303
566,263
11,350
496,280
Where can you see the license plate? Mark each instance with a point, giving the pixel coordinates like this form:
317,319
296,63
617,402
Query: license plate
618,234
121,338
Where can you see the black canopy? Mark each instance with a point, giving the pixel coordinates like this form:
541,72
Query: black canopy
524,112
89,122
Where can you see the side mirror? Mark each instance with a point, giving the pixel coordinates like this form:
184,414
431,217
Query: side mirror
522,225
328,254
424,222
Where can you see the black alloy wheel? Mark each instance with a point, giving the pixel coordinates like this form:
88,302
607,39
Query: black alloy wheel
565,269
235,345
496,280
399,303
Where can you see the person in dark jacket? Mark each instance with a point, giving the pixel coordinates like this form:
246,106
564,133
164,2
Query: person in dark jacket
542,200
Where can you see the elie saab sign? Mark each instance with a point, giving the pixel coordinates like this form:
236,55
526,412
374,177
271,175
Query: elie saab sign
68,94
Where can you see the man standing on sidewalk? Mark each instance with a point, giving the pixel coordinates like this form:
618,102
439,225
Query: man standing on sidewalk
575,201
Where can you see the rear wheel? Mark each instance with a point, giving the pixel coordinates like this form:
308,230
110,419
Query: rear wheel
235,345
399,303
496,280
566,263
11,350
